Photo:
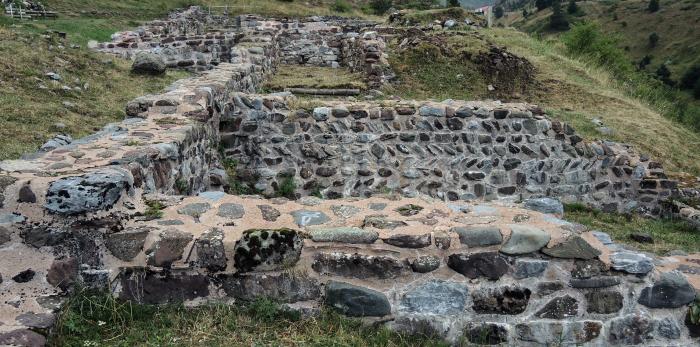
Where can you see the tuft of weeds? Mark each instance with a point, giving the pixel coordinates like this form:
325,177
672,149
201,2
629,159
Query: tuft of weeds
95,318
287,188
154,210
668,234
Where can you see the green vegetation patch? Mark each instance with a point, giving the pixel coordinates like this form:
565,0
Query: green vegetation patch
97,319
296,76
668,234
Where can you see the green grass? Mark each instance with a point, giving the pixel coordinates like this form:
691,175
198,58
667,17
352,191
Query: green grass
97,319
668,234
294,76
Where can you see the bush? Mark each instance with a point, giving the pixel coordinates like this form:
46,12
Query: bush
542,4
558,21
498,12
644,62
572,8
380,6
653,6
341,6
690,78
664,75
454,3
653,40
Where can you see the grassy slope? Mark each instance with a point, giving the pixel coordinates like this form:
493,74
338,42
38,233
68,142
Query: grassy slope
569,89
93,319
292,76
676,24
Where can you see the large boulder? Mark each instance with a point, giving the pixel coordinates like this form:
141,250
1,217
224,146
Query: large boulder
91,192
672,290
146,63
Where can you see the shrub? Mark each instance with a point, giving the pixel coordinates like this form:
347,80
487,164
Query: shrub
653,40
380,6
454,3
558,21
341,6
498,12
653,6
664,75
644,62
542,4
572,8
690,77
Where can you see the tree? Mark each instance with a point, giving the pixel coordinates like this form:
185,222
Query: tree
664,74
455,3
558,21
542,4
572,8
653,6
653,39
380,6
498,11
525,13
691,77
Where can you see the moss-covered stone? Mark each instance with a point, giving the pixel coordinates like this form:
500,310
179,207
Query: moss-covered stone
267,249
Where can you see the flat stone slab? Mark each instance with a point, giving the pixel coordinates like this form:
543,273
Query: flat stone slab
436,297
631,262
344,235
525,239
307,218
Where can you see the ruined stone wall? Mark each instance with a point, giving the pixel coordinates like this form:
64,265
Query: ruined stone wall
453,151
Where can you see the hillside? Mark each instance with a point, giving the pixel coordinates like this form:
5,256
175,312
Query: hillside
676,23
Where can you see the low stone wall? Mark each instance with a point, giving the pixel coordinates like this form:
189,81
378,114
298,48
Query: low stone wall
453,151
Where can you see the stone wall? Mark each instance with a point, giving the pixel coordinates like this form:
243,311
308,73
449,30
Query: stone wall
455,151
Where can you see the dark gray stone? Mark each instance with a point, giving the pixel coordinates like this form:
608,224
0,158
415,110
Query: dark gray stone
41,236
147,63
356,301
285,286
488,264
545,205
22,337
233,211
169,248
501,300
357,265
146,287
559,308
63,273
631,262
436,297
425,263
95,191
671,290
36,320
479,236
604,302
486,333
210,250
344,235
594,282
632,329
26,195
575,247
267,249
524,268
668,328
126,245
409,241
525,239
24,276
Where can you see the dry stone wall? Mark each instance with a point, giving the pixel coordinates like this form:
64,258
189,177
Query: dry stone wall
455,151
406,237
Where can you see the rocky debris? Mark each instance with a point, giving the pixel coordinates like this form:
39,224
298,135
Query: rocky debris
668,328
631,262
442,240
604,302
501,300
147,63
44,236
231,211
559,308
344,235
356,301
284,286
547,288
168,248
409,241
525,239
436,297
308,218
63,273
479,236
56,142
573,247
671,290
267,249
269,213
92,192
632,329
127,244
357,265
488,264
210,250
524,268
486,333
425,263
545,205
